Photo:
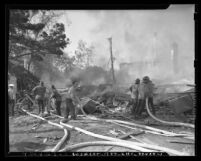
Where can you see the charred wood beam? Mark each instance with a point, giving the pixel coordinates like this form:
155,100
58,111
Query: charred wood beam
134,133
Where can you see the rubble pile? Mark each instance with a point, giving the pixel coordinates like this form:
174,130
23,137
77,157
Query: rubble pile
173,104
169,106
103,99
108,102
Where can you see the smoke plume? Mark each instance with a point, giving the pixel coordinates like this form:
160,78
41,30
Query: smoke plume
140,37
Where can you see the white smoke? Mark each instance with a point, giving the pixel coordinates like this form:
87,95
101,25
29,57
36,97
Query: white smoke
133,33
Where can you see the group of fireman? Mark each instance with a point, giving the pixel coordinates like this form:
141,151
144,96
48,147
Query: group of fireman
139,92
71,99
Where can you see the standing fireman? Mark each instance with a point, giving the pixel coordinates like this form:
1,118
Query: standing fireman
134,94
55,94
145,91
151,95
11,98
72,100
39,92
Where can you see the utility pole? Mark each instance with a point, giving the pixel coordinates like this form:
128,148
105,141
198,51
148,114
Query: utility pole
112,58
175,57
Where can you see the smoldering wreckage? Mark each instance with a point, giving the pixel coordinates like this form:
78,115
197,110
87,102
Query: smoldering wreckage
107,119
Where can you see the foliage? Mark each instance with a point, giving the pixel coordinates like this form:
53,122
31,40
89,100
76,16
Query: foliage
35,33
81,60
55,40
65,63
83,54
27,37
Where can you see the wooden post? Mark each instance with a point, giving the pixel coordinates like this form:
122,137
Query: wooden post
111,56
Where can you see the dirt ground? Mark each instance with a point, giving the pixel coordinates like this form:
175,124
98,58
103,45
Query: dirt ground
23,139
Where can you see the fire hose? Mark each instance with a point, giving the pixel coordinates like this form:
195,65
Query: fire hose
118,142
136,146
95,143
152,132
115,139
67,135
166,133
167,122
126,143
64,139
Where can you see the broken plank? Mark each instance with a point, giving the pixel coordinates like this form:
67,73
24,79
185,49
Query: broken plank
135,133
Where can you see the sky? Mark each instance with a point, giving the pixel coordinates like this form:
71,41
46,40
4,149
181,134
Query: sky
132,33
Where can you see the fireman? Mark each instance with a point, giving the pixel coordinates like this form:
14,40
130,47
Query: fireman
39,92
145,91
72,101
134,94
11,98
58,99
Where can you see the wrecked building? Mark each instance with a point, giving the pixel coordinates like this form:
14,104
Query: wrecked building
24,80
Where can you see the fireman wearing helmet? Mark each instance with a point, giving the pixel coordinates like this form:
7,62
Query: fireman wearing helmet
146,90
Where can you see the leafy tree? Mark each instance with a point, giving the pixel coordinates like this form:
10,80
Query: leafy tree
56,40
27,37
65,63
83,54
19,28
